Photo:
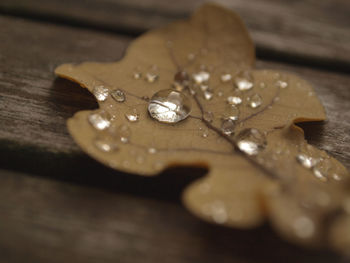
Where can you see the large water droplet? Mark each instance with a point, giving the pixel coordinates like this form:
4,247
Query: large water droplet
100,92
118,95
244,81
132,115
251,141
100,120
233,100
169,106
255,101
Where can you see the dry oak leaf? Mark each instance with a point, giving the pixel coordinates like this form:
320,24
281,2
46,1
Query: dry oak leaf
240,125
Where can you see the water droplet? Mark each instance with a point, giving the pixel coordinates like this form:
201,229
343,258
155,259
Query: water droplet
201,77
208,95
321,169
118,95
152,75
152,150
244,81
304,227
100,92
100,120
233,100
231,113
132,115
105,144
226,77
251,141
228,127
306,161
281,84
169,106
137,75
255,101
208,116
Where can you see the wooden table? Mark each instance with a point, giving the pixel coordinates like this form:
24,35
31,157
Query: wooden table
51,212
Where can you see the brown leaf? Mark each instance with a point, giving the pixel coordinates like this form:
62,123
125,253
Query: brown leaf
259,163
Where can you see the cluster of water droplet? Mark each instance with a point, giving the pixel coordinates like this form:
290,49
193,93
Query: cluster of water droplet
322,166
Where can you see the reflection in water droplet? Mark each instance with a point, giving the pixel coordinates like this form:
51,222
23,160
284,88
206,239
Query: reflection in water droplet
244,81
304,227
208,95
306,161
100,120
281,84
100,92
255,101
105,144
201,77
208,116
251,141
169,106
228,127
226,77
233,100
118,95
132,115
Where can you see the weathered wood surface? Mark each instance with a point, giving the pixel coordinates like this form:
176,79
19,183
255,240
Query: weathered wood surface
293,30
101,215
46,221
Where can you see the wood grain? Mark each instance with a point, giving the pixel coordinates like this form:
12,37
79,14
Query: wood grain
47,221
292,30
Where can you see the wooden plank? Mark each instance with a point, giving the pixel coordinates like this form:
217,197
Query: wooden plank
48,221
34,105
316,30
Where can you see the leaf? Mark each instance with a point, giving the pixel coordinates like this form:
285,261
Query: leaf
259,164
